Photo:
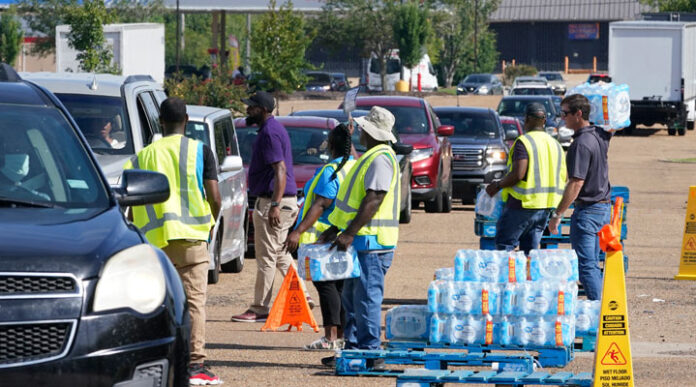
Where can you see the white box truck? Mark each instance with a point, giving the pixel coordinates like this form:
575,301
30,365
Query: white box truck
138,49
424,67
658,62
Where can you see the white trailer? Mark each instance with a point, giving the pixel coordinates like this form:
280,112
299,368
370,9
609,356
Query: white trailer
658,62
138,49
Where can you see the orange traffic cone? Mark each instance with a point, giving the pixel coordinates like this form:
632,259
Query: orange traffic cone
290,306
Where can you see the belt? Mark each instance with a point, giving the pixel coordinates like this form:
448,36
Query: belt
581,203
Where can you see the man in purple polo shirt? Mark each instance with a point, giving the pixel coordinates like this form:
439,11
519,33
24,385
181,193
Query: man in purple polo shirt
272,181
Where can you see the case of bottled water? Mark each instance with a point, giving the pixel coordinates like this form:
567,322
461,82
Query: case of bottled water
553,265
540,298
438,328
490,266
410,322
471,297
587,316
610,104
445,273
467,329
547,331
490,207
318,262
437,291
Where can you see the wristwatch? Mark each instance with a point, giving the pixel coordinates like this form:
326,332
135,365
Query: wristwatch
274,204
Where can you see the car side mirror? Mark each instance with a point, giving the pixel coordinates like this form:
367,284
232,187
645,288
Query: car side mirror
511,134
445,130
402,149
139,187
231,164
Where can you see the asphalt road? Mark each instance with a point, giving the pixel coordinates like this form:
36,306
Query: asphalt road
662,311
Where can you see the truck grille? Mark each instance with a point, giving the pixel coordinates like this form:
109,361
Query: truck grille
32,342
23,284
464,158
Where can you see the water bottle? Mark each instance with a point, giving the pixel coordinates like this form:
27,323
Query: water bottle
489,267
587,316
466,263
502,331
619,107
445,273
438,326
490,298
564,331
507,298
436,293
466,329
408,322
553,264
566,298
488,206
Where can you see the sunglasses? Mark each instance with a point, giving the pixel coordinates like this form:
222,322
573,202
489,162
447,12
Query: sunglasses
565,113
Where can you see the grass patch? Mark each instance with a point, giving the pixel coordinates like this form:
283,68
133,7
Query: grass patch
449,90
690,160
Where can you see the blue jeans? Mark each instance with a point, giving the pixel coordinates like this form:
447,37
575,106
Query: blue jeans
521,227
585,223
362,300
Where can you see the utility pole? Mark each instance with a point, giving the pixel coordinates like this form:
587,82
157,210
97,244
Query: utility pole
178,36
476,12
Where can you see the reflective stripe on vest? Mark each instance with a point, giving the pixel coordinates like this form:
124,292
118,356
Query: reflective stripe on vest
536,192
385,223
186,225
312,234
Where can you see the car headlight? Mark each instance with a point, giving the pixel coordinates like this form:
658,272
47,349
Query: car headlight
496,156
459,88
421,154
133,278
482,90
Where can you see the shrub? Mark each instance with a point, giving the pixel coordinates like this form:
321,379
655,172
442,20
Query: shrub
512,72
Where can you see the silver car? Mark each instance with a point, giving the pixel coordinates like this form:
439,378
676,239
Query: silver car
215,128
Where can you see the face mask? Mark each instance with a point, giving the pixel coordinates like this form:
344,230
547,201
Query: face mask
16,166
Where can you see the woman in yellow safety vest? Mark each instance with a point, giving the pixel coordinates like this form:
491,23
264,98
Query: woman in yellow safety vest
320,193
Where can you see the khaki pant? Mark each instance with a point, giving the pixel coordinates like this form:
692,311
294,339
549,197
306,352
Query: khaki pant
270,253
191,260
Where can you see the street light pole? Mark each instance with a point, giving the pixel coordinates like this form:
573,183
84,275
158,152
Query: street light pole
178,36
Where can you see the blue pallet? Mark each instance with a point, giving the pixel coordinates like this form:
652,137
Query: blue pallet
585,342
547,356
426,378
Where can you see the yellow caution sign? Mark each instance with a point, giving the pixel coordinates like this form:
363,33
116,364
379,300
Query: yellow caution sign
687,265
613,365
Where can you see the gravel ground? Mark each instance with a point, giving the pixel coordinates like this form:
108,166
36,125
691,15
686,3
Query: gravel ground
662,333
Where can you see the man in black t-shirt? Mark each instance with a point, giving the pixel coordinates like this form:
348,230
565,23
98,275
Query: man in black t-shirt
588,187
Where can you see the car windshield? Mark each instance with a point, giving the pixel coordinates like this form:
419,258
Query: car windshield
552,76
102,120
477,79
43,162
468,124
409,119
198,131
393,66
532,91
319,78
309,145
516,107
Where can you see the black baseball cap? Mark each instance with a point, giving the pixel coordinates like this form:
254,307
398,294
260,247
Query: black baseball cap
261,98
535,110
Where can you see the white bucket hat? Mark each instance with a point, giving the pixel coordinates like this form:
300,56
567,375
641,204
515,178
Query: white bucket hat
378,124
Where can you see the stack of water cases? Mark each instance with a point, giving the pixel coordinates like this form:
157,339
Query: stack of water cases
610,104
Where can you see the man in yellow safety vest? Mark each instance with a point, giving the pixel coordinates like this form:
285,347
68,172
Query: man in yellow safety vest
367,216
181,225
533,187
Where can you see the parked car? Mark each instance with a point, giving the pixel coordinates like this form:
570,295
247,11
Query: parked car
531,89
529,80
319,81
85,300
214,127
511,125
308,137
479,150
515,106
480,84
555,79
598,77
402,151
340,82
431,158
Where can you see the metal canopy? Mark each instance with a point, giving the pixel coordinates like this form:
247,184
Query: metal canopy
241,6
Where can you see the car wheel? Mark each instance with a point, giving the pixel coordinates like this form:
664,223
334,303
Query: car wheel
214,275
405,216
681,131
671,131
447,198
435,204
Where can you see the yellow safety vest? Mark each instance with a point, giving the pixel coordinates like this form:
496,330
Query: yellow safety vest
312,234
385,223
546,172
186,214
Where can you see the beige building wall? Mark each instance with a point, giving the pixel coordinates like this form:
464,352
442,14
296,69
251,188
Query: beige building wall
34,63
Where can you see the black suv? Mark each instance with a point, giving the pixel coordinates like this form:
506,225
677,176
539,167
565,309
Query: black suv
479,151
84,299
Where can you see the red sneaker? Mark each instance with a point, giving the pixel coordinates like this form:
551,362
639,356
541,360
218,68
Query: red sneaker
200,375
250,316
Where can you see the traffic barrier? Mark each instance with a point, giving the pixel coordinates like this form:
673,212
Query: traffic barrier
290,306
687,263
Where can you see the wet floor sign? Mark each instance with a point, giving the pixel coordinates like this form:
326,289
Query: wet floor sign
687,265
613,365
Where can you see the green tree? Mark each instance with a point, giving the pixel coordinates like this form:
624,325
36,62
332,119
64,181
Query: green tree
278,45
43,16
672,5
11,36
411,30
87,36
137,11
